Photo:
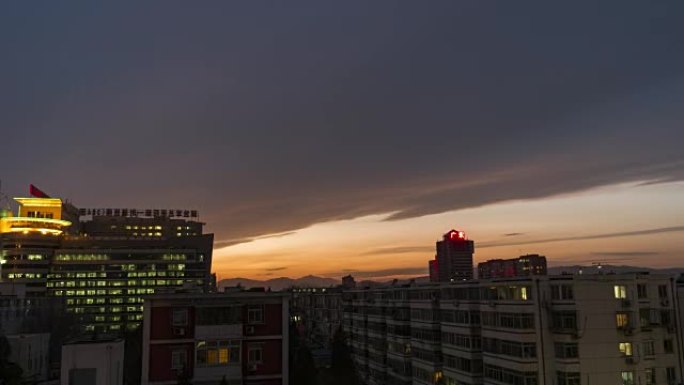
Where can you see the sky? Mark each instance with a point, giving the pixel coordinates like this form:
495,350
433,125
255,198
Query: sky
320,137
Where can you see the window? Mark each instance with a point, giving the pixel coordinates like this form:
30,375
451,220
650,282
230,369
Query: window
650,376
568,378
620,291
670,374
564,321
622,320
625,348
641,291
627,378
668,346
662,291
562,292
255,354
179,317
178,358
566,350
255,314
218,353
649,348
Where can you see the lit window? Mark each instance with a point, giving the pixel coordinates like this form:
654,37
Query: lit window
627,378
622,320
625,348
620,291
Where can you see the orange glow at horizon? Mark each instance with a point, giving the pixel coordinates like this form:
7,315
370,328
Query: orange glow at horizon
629,224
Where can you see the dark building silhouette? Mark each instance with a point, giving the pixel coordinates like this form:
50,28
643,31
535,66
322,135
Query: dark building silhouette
526,265
454,258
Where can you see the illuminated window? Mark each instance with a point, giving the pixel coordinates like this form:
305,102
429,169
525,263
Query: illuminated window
620,291
627,378
622,320
625,348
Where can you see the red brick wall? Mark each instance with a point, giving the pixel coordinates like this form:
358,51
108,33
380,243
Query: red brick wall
161,327
160,361
272,357
273,321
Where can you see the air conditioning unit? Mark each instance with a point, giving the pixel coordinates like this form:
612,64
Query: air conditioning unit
249,329
178,331
626,302
252,367
628,331
630,360
665,302
456,303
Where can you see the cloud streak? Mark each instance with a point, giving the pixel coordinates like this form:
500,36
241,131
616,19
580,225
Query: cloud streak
586,237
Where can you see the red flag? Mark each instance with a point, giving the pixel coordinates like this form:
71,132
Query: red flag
36,192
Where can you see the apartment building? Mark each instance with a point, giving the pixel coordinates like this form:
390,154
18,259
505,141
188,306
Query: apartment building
239,336
317,313
561,330
530,264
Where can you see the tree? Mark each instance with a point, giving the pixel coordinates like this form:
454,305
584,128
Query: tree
133,356
304,370
10,373
342,368
184,378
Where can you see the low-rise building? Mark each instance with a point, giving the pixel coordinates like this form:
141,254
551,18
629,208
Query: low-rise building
241,336
94,361
31,353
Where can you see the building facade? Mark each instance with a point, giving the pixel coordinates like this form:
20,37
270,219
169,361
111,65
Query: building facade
454,258
95,361
523,266
31,351
239,336
317,312
101,262
565,330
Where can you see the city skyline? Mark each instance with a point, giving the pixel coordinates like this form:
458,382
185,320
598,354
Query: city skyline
331,139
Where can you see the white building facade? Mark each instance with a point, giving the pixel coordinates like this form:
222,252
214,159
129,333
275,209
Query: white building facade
556,330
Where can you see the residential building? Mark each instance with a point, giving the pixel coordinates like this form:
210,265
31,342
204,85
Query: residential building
95,361
101,262
317,316
568,329
454,258
525,265
240,335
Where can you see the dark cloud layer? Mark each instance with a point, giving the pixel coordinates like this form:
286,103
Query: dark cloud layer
270,116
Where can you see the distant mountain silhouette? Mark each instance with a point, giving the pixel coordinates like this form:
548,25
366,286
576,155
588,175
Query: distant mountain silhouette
280,283
314,281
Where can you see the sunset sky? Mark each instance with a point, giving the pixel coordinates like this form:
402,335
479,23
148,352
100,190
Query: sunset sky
334,137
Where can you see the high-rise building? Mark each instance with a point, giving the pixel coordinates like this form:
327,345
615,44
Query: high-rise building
531,264
566,329
101,262
454,258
